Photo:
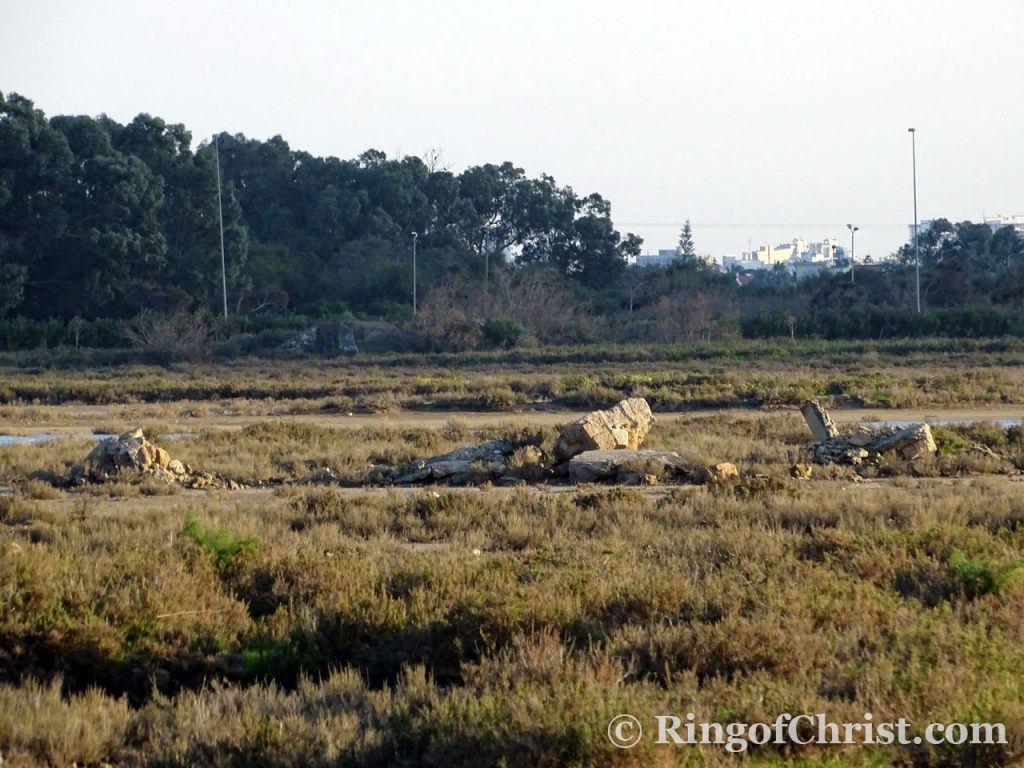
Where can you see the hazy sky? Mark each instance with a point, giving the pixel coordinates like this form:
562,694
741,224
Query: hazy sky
759,121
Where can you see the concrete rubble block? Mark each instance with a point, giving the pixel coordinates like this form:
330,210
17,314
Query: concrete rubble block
914,442
818,420
131,454
722,472
861,437
635,478
854,456
594,466
622,427
801,471
473,463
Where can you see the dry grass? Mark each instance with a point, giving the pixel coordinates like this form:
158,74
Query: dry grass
455,627
318,625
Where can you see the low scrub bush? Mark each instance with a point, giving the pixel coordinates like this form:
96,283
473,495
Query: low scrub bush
220,543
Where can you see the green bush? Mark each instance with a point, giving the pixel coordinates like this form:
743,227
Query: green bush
979,575
221,544
502,333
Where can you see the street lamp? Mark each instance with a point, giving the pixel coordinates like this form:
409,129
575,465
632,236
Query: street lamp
414,236
853,235
917,252
220,217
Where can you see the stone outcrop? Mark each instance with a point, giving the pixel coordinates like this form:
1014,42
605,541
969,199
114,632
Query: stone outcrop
864,445
622,427
131,455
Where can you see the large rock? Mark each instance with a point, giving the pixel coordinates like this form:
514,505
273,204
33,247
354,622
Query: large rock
624,426
132,455
593,466
131,452
909,444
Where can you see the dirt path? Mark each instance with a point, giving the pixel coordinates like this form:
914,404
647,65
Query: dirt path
82,421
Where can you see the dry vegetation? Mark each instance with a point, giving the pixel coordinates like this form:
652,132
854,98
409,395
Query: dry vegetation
894,374
304,623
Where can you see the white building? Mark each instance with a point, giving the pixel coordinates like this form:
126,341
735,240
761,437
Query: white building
662,258
999,222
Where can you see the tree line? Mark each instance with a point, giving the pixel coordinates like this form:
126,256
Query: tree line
102,223
99,219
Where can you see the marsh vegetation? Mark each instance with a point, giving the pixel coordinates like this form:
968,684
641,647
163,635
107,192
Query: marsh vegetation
318,620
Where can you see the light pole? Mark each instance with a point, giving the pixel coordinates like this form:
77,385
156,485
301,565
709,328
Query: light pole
220,216
853,251
414,236
917,252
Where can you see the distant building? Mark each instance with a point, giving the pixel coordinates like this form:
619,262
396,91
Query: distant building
662,258
771,255
999,222
923,226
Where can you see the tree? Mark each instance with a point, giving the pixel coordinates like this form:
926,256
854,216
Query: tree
685,249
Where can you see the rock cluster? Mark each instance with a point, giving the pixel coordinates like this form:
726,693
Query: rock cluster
863,444
132,455
600,446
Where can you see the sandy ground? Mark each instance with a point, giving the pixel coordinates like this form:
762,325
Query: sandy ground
84,420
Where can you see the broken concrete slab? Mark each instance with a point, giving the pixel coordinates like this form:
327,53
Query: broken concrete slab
818,420
909,444
474,463
594,466
862,444
622,427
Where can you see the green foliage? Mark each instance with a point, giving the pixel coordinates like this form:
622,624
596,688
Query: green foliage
979,575
100,219
501,333
685,248
950,442
221,544
106,222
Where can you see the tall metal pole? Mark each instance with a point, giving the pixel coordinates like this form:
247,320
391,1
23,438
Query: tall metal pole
917,250
414,236
853,250
220,216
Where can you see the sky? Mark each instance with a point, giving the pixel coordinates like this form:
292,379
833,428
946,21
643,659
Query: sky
759,121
